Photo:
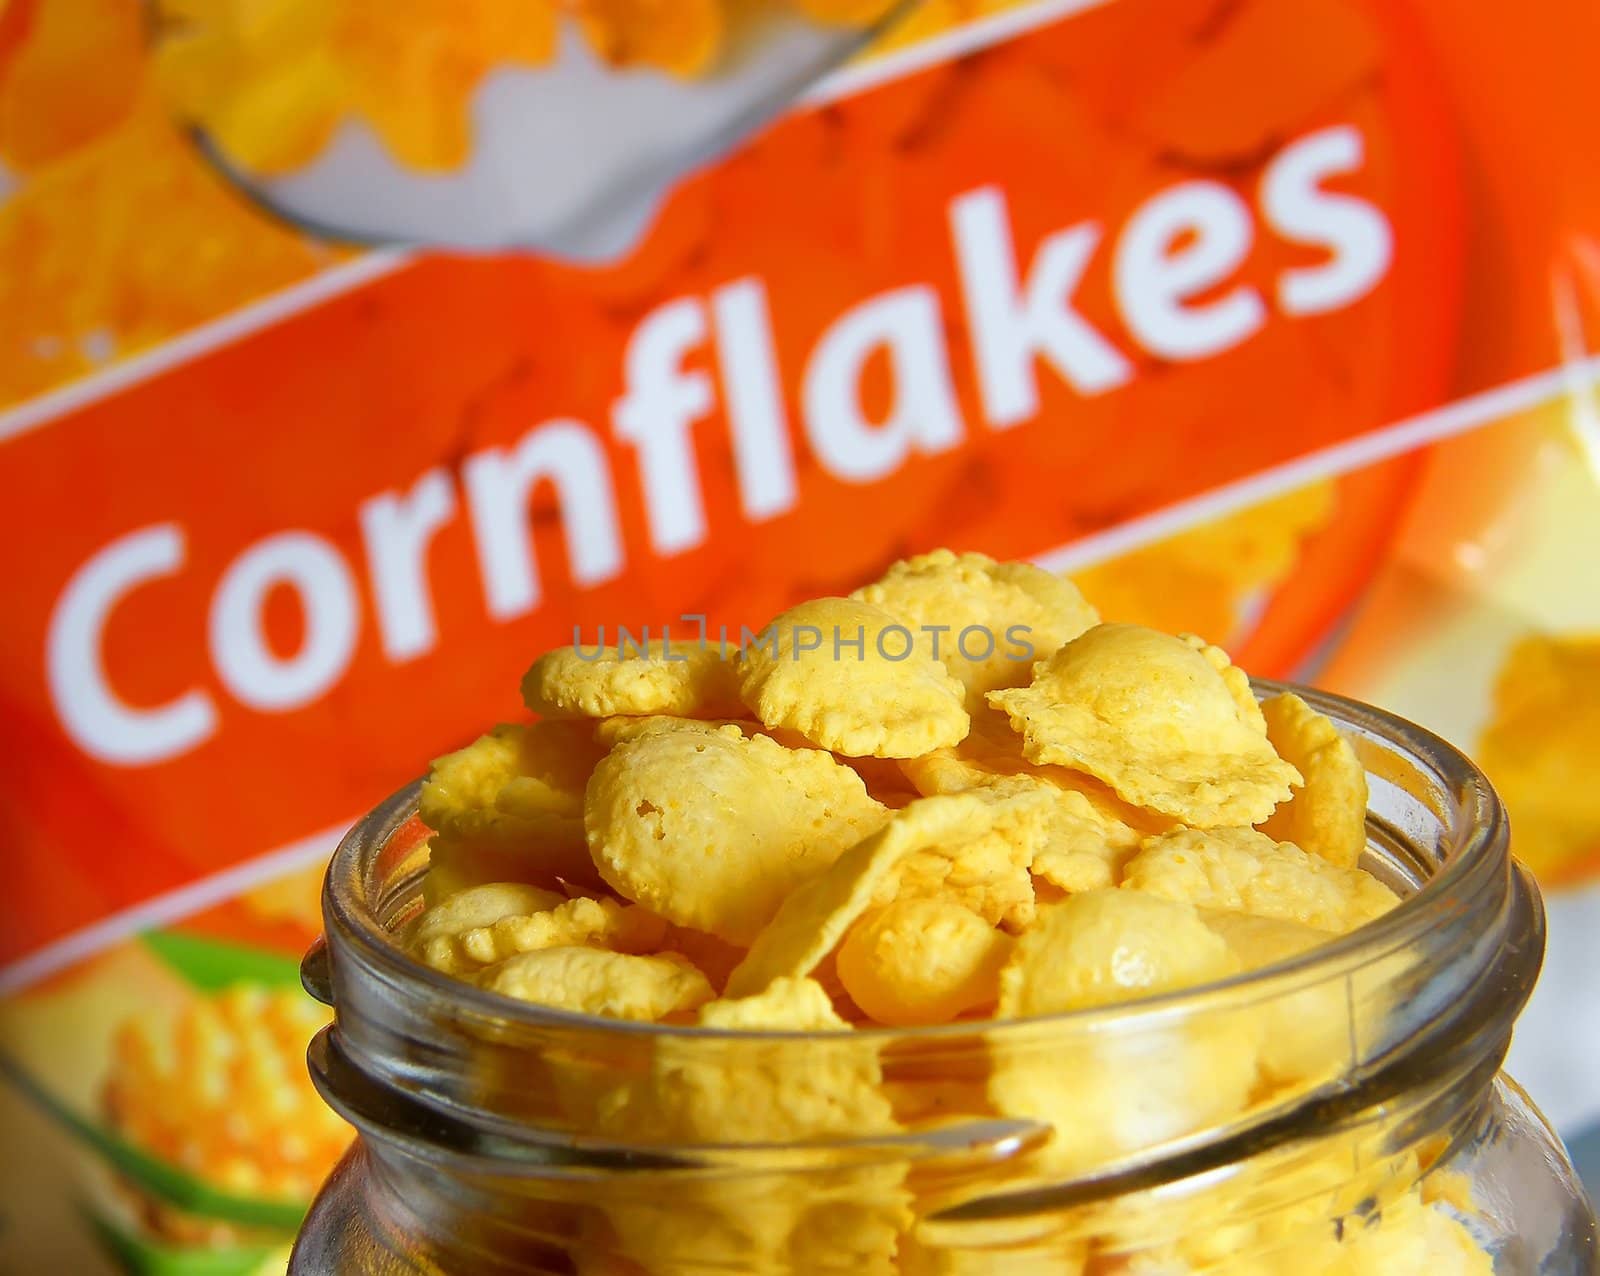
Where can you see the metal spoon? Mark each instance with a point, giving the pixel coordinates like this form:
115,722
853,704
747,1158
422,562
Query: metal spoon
571,159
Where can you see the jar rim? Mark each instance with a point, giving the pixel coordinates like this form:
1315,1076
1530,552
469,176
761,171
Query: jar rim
1477,853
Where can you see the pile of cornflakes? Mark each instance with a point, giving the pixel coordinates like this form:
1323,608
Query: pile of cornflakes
953,795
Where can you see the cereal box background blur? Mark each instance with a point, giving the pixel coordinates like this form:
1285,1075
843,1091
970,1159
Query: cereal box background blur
1275,323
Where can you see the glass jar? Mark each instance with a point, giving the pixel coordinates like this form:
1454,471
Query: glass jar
1341,1111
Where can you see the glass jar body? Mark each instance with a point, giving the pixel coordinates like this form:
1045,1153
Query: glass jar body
1502,1200
1335,1114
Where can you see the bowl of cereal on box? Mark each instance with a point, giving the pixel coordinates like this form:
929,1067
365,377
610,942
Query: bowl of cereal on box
943,927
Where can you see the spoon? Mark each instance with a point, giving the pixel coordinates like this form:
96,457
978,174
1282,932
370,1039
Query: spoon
570,159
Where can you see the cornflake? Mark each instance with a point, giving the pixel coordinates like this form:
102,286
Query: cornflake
687,680
598,923
509,806
1110,1095
1153,718
1327,816
712,830
852,678
814,918
592,981
1245,871
923,960
992,620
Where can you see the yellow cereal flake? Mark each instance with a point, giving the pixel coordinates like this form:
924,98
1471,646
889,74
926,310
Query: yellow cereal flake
678,679
464,945
1099,947
1234,678
922,961
1304,1034
847,1219
886,697
990,749
1241,870
986,871
1154,719
814,917
748,1090
714,830
1120,1094
1090,831
1113,1094
1327,816
990,621
1035,1243
786,1004
478,906
1085,838
1408,1236
593,981
610,732
86,273
509,806
1539,749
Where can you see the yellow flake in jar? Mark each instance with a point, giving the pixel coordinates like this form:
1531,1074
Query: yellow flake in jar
852,678
1241,870
678,679
1115,1093
593,981
1106,946
509,806
722,853
461,935
1408,1236
611,732
1155,720
989,620
1089,832
433,938
1234,678
745,1090
1305,1034
922,961
814,918
1327,817
1083,839
1017,1245
987,872
847,1220
990,749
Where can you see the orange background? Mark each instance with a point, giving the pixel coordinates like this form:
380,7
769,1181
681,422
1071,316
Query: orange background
296,425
